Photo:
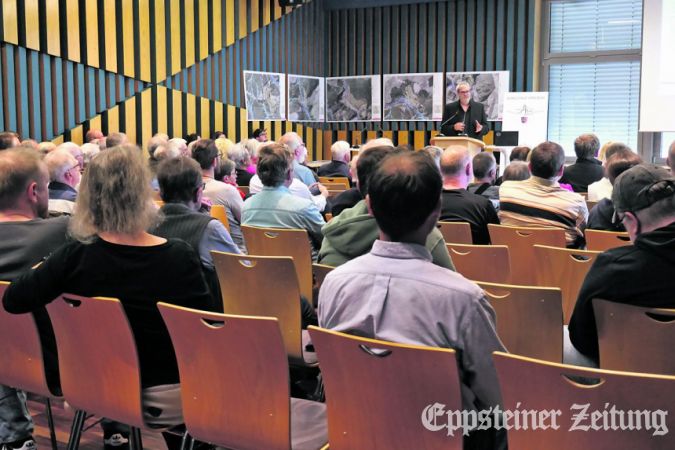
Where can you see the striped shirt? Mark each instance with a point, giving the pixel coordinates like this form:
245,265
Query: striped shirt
538,202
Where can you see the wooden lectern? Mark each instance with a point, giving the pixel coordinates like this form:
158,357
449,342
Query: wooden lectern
474,145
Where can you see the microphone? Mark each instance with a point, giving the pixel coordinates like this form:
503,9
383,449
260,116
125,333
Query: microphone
451,117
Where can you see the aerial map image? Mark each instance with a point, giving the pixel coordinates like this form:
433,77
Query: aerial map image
265,95
352,99
413,96
305,99
487,88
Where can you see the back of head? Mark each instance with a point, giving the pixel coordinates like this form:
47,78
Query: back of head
291,139
154,143
115,139
404,190
646,189
435,153
519,154
368,162
340,151
275,162
616,147
619,162
58,163
239,155
484,165
517,171
19,168
204,151
8,140
454,160
114,196
89,151
179,179
165,151
192,137
224,169
379,142
547,159
224,145
93,135
252,146
586,146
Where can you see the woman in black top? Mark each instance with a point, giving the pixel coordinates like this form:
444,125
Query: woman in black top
114,256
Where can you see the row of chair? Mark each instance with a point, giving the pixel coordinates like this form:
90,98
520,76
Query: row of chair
235,389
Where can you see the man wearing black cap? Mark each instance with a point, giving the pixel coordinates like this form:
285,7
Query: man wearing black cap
640,274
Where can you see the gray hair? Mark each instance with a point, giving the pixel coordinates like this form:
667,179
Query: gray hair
239,155
90,150
58,163
115,195
339,150
379,142
464,84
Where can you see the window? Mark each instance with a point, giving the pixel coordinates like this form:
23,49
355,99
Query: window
592,69
666,140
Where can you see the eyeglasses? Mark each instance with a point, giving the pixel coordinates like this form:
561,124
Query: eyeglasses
76,166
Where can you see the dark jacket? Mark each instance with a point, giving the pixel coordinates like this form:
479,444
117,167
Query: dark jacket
335,169
61,191
640,274
455,113
582,173
601,217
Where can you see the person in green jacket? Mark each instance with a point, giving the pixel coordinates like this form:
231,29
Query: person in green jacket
352,233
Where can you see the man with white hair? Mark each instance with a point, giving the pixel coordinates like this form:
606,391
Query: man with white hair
89,152
181,145
339,165
464,117
241,159
378,142
74,150
64,176
295,143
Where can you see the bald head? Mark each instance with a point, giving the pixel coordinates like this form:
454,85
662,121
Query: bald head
456,167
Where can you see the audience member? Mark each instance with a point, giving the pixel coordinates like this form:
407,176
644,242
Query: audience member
224,145
116,139
640,274
603,188
540,202
31,144
242,160
26,238
517,171
602,216
295,143
89,152
339,165
275,206
9,139
192,137
114,256
435,152
46,147
395,293
351,196
252,146
219,193
226,173
586,169
181,188
217,135
378,142
460,205
352,233
260,135
74,150
485,175
93,136
180,145
64,176
520,153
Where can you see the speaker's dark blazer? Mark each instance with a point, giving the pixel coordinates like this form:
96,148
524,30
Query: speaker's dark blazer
476,112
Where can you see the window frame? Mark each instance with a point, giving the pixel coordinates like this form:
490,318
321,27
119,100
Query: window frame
649,144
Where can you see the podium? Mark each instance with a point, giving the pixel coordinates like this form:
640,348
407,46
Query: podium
473,145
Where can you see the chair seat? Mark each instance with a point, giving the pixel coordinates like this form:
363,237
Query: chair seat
309,429
309,356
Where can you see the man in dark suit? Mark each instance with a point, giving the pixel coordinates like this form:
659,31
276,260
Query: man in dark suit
465,117
339,165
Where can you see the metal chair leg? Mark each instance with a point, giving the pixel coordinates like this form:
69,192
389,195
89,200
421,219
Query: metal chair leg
50,422
186,441
76,430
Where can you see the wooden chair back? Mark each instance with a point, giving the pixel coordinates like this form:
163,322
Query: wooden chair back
320,271
529,384
227,398
283,242
521,241
376,391
456,232
344,181
22,363
335,187
482,262
563,268
634,338
529,319
219,212
602,241
98,360
262,286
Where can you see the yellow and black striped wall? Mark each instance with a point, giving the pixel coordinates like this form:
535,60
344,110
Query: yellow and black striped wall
175,66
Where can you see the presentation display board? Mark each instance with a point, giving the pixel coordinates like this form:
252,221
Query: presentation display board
413,96
353,99
305,98
265,95
487,88
526,113
657,81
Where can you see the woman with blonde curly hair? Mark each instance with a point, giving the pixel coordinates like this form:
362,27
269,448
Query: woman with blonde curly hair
114,256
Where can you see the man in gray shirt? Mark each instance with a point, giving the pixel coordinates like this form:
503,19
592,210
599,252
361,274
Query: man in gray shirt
395,293
26,238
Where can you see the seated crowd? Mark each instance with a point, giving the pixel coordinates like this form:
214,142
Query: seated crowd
87,213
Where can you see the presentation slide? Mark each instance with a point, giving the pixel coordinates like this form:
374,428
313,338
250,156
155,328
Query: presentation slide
657,84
